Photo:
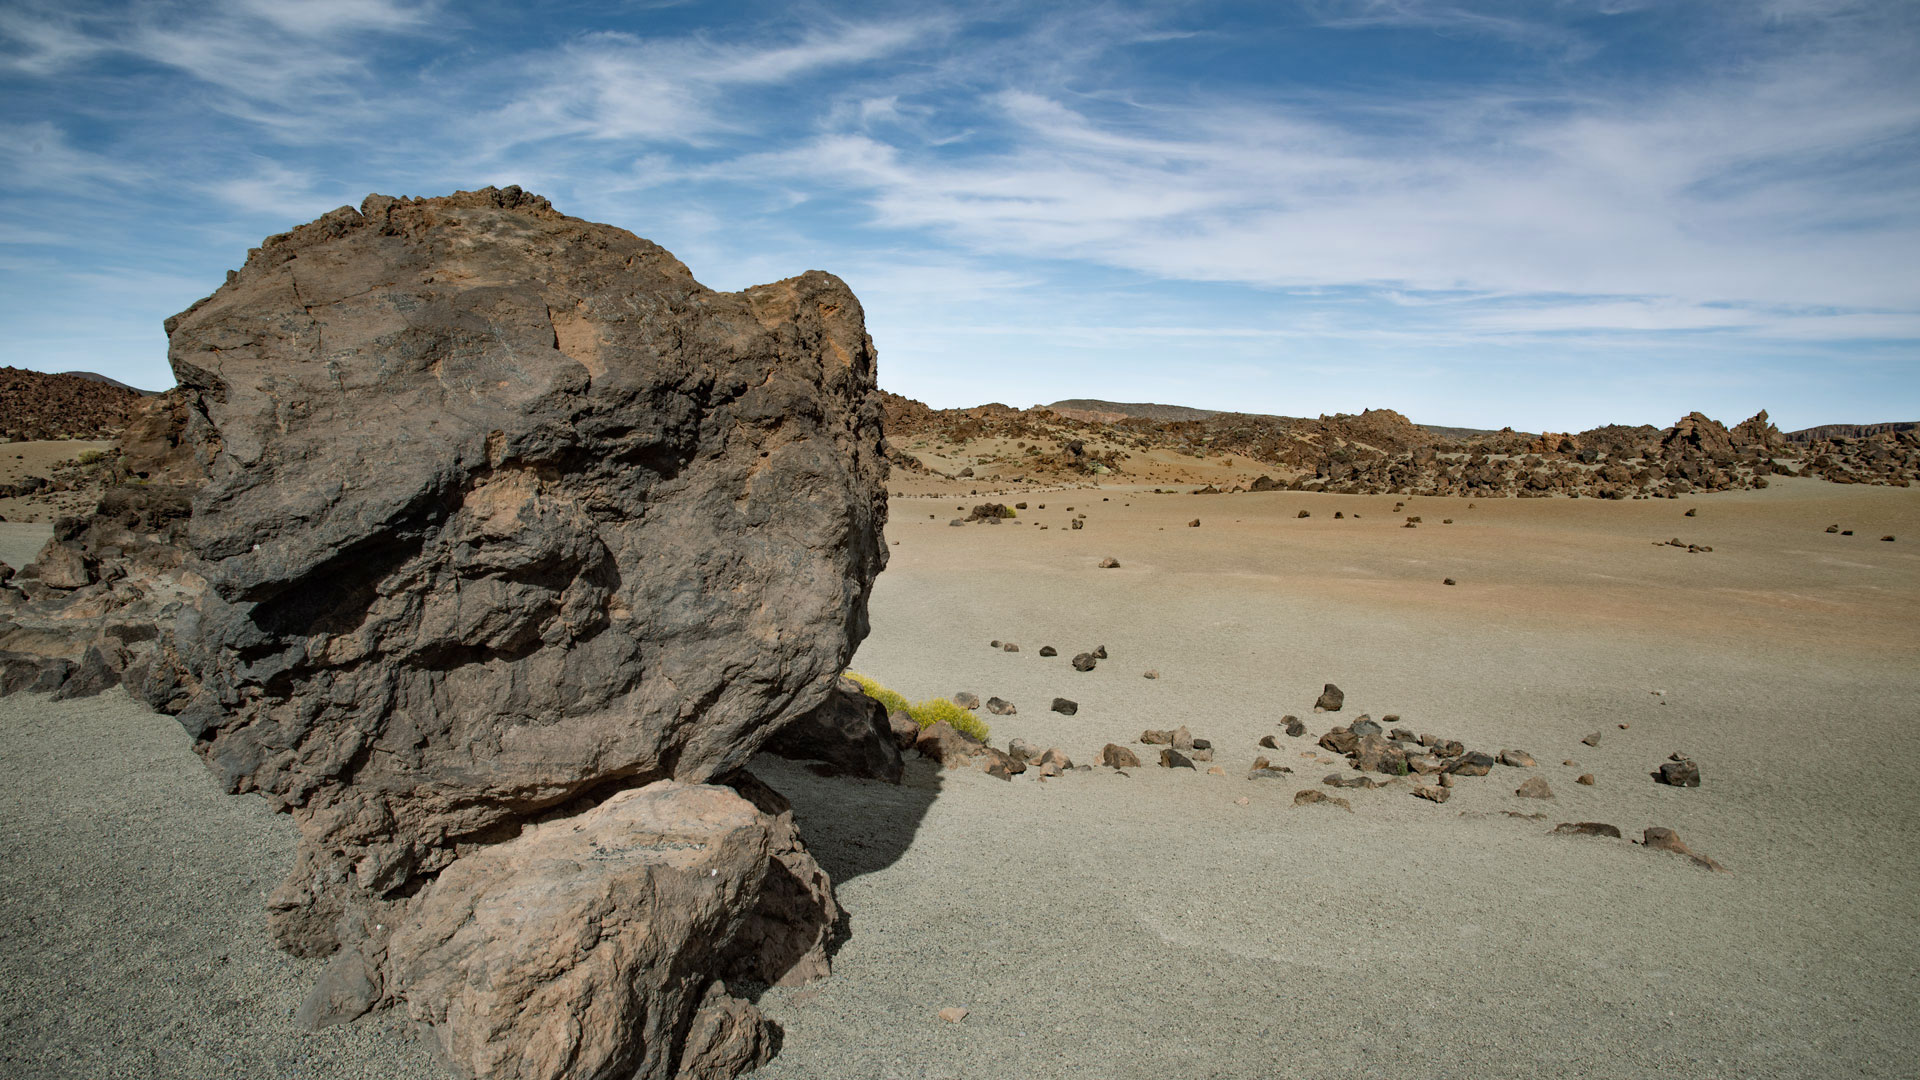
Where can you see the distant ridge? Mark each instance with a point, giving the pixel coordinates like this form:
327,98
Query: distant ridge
1143,409
1849,431
95,376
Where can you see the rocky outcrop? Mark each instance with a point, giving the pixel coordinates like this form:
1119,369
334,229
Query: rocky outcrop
468,522
71,405
849,731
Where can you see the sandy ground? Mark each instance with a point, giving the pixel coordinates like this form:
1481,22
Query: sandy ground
1099,925
23,459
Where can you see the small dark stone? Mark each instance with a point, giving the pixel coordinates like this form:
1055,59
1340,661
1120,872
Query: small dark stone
1592,740
1474,764
1048,650
1295,727
1364,726
1009,647
1303,514
1000,707
1064,707
1269,742
1331,699
1679,774
1099,652
1448,581
1084,662
1174,759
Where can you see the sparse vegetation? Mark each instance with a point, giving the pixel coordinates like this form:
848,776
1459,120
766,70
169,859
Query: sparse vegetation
933,710
925,713
894,702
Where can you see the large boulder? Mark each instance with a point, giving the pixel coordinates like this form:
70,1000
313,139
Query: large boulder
581,947
503,506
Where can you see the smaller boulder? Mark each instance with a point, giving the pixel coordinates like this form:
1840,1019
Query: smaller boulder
1065,707
1535,787
1331,699
1115,756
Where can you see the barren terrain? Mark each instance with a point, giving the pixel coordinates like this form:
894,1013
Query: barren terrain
1154,924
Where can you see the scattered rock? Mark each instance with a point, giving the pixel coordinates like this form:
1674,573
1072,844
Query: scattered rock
1269,742
1447,581
1400,733
1888,538
1364,726
1592,740
1150,673
1534,787
1664,839
1174,759
1215,770
1587,828
1681,773
953,1014
1340,741
1116,756
1303,514
1295,727
1433,794
1048,650
1001,707
1584,778
1474,764
1331,699
1099,652
1692,511
1311,795
1084,662
1156,737
1182,738
1339,781
1194,524
1109,563
1065,707
1517,759
1374,753
967,700
1009,647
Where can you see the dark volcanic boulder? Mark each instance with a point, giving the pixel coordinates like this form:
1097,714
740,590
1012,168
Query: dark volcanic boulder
504,509
848,730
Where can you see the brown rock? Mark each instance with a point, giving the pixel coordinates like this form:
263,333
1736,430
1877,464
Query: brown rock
905,730
1664,839
1294,727
1048,650
966,700
1194,524
1115,756
1587,828
1311,795
1269,742
1331,699
1433,794
1374,753
1340,741
567,951
1474,764
1182,738
1156,737
1518,759
1534,787
1065,707
1174,759
1584,778
1085,662
953,1014
1109,563
1000,707
1593,739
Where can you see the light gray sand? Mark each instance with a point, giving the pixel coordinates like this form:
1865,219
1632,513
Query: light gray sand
1148,926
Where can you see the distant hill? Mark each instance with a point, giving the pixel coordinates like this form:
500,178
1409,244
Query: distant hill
36,405
1145,410
95,376
1849,431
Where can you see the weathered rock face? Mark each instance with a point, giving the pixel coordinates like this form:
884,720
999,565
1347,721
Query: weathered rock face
503,506
582,947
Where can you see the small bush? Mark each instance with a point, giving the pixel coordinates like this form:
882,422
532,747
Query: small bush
93,457
893,702
933,710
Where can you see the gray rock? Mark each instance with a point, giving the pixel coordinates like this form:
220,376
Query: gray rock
1085,662
1681,773
1065,707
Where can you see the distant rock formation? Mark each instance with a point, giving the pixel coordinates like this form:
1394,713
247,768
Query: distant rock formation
1850,431
74,405
511,544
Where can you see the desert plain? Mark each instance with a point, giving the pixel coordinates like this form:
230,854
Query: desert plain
1173,922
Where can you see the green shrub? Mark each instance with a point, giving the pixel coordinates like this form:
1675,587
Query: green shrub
933,710
92,457
894,702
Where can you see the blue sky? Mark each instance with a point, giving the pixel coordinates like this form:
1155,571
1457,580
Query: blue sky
1544,214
